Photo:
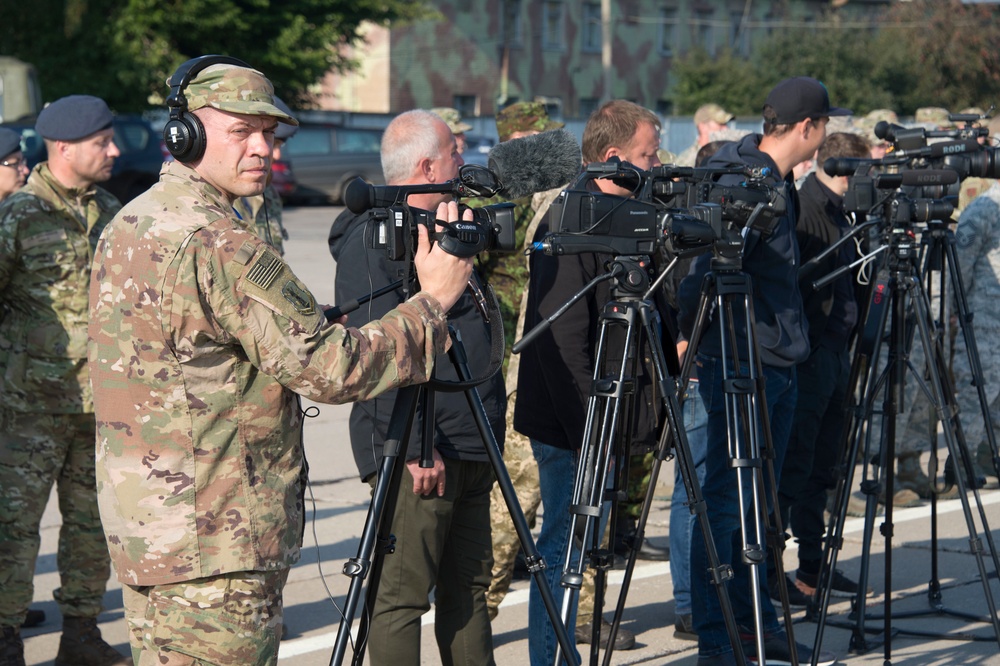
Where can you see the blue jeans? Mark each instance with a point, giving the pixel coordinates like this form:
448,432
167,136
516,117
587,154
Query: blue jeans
721,495
556,474
682,521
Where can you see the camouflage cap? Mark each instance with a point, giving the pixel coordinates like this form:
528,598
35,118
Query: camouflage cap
524,117
973,110
10,142
933,115
452,118
665,156
711,112
234,89
865,125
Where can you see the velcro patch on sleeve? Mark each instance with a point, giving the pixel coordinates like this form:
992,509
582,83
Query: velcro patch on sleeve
265,270
301,299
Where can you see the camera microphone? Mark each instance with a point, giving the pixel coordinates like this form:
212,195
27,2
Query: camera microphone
916,178
536,163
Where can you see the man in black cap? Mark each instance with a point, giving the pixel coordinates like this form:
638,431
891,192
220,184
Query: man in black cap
795,116
48,231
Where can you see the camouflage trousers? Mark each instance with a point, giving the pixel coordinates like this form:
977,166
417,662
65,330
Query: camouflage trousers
523,470
37,450
233,618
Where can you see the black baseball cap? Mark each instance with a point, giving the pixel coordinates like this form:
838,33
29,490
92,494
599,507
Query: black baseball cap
801,97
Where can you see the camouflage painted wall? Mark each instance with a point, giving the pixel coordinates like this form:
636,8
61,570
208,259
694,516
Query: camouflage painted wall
460,52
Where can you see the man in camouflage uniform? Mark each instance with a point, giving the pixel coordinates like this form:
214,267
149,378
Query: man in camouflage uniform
453,119
707,119
48,231
201,341
508,275
15,167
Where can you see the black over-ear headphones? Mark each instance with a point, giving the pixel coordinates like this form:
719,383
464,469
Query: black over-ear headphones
184,135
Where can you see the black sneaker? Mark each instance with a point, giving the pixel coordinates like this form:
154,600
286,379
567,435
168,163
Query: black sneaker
841,586
776,651
796,599
684,627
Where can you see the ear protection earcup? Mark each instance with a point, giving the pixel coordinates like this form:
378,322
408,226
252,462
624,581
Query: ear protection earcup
184,135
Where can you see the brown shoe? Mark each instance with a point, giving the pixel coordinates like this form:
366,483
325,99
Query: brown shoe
81,645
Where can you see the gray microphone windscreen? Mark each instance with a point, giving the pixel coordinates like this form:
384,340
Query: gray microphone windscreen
536,163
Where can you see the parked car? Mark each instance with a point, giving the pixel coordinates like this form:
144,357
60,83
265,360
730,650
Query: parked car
283,178
327,157
135,170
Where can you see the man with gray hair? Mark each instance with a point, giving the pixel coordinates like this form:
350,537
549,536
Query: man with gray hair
201,342
442,514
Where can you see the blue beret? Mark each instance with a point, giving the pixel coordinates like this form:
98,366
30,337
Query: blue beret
72,118
284,131
10,142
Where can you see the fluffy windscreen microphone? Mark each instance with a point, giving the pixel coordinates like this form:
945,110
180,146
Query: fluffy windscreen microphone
536,163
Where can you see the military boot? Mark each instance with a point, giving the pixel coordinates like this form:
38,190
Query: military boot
910,475
984,457
81,645
12,648
977,479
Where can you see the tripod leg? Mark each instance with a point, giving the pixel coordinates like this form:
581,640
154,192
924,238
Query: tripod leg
375,537
536,564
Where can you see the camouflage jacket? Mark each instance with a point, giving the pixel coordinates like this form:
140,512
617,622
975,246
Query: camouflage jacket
47,239
200,340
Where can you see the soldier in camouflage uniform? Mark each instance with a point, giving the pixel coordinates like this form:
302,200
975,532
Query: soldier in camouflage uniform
48,231
453,119
201,342
508,275
707,119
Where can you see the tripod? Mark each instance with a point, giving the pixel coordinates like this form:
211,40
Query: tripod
376,540
898,292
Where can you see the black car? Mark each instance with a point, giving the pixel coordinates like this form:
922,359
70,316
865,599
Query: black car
135,170
327,157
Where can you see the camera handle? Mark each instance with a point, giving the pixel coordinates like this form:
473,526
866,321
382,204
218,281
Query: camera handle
376,539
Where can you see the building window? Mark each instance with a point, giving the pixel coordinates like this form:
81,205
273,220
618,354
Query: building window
511,22
669,40
739,34
466,105
590,28
553,24
587,106
703,33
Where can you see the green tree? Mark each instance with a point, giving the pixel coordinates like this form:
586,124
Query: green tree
725,79
124,50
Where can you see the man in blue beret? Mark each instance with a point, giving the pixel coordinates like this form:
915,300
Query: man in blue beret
48,231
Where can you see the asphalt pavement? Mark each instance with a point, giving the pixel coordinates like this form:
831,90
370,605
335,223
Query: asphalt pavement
316,589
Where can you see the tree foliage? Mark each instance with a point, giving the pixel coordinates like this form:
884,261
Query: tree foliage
922,53
124,50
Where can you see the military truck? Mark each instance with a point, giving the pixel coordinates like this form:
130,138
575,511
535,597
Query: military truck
20,94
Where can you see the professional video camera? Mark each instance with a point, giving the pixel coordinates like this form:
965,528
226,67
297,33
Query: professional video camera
684,209
929,170
517,168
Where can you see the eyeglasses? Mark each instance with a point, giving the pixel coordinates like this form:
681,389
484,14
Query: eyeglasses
14,164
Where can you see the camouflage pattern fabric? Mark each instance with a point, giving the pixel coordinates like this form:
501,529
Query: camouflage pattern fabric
688,155
35,450
47,237
235,89
517,455
977,251
228,619
452,118
524,117
201,340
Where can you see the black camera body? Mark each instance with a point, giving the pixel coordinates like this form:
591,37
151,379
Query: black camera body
684,210
491,228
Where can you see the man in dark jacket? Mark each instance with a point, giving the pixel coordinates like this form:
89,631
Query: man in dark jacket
555,374
442,517
832,313
795,116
